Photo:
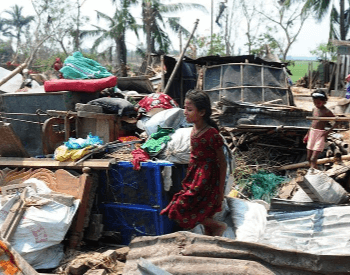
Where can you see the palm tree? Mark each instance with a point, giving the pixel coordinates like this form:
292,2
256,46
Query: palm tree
335,24
16,25
121,21
154,23
321,8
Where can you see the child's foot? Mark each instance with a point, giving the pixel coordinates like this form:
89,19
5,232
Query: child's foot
219,229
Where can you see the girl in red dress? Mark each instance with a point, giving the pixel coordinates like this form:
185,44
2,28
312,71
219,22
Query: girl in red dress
203,187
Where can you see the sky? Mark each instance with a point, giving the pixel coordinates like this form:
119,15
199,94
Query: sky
312,34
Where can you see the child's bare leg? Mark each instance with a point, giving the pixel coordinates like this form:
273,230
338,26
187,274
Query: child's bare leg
214,228
313,159
309,154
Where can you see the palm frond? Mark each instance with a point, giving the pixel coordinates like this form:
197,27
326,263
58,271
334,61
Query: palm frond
319,7
181,6
174,23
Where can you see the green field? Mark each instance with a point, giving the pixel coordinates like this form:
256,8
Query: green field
300,69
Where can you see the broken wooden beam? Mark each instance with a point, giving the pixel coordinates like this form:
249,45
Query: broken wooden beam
50,163
306,163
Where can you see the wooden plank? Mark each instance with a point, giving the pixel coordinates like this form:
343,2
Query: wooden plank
50,163
96,115
307,164
329,118
63,114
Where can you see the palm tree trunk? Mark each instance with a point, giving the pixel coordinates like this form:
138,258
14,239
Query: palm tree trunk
118,52
342,20
147,19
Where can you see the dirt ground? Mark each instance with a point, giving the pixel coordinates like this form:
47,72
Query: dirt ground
303,100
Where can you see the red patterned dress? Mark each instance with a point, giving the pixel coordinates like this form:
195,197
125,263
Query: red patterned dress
198,198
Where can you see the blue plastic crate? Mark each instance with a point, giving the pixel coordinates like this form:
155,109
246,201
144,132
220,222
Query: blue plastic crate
134,220
126,185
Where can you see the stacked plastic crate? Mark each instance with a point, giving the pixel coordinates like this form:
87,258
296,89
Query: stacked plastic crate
131,200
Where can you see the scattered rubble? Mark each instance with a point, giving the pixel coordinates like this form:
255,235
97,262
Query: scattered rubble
263,121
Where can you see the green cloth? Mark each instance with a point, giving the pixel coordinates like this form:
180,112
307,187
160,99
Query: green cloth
79,67
157,141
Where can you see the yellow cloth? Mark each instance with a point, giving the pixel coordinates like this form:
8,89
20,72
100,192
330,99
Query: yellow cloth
62,153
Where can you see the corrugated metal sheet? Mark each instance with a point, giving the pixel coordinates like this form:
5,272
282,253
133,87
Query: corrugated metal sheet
189,253
323,231
236,113
296,238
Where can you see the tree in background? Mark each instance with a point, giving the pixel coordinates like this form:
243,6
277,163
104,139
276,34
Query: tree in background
204,45
232,22
290,19
78,20
15,26
121,21
335,24
252,16
339,21
266,43
153,12
325,51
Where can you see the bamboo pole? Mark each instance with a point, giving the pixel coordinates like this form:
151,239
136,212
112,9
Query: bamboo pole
306,163
13,73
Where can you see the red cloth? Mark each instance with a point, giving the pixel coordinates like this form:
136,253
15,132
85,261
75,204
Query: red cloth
155,100
80,85
198,198
138,156
58,64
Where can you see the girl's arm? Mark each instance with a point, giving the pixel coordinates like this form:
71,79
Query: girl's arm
306,137
223,167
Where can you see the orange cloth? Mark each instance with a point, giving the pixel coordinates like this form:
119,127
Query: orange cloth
128,138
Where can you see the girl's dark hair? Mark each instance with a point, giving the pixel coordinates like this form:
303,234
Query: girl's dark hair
201,100
319,94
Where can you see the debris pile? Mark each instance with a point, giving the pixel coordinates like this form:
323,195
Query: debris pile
111,261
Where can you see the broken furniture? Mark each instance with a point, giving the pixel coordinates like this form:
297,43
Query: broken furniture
82,187
26,113
61,181
62,124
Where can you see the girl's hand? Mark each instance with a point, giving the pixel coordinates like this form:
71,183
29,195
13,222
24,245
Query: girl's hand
306,138
325,134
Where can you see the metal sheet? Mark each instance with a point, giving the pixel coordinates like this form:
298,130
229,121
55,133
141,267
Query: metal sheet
260,115
188,253
29,103
322,231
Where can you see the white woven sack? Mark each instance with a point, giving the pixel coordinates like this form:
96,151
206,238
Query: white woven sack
249,219
168,118
177,149
325,188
